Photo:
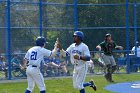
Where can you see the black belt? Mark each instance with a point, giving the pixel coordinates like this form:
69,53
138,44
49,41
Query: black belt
34,66
76,64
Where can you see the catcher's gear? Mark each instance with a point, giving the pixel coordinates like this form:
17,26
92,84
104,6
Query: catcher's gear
79,34
40,41
114,69
109,68
108,77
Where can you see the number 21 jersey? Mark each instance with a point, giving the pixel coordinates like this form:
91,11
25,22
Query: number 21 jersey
36,54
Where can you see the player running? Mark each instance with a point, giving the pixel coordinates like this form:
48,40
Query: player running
33,58
107,47
79,55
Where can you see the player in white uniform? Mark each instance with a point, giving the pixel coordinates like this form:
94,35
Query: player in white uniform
79,55
32,59
137,49
136,52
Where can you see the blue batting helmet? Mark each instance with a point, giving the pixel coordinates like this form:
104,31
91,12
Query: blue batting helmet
40,41
79,34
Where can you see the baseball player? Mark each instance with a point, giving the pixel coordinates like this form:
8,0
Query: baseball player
79,55
33,58
107,47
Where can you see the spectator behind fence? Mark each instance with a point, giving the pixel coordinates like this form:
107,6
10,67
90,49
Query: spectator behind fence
135,52
16,63
3,65
46,66
90,66
55,66
137,49
17,67
63,66
60,63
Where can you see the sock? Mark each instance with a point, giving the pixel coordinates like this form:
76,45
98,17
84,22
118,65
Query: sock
44,91
86,84
27,91
82,91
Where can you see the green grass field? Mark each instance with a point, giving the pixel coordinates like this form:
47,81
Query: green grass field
64,85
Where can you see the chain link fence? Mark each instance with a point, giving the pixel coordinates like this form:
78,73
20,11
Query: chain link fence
52,19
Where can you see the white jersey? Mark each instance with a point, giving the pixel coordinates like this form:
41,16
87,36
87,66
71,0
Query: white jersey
138,51
81,50
36,54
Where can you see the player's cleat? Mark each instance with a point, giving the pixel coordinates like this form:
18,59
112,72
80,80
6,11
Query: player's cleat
93,85
27,91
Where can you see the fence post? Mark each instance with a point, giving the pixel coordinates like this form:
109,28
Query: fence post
8,48
75,16
127,36
135,28
40,16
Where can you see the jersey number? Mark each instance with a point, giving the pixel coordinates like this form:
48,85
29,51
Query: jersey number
33,55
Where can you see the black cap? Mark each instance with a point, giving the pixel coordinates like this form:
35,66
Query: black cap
108,35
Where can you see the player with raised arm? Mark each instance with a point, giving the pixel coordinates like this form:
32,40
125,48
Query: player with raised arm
107,47
33,58
79,55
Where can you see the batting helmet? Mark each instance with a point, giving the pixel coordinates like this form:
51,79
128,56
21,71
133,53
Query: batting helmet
40,41
79,34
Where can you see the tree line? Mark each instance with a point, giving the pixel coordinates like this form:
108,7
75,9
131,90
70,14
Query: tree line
58,21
